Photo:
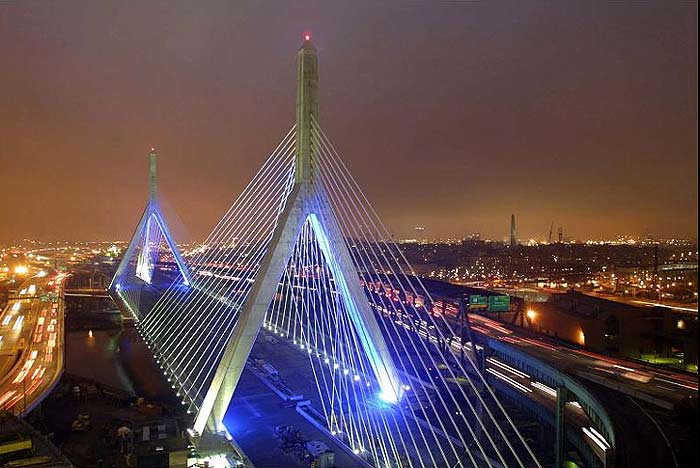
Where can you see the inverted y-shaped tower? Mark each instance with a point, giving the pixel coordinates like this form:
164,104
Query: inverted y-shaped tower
302,253
143,251
306,203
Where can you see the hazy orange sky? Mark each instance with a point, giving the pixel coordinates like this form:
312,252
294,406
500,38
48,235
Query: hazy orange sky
450,115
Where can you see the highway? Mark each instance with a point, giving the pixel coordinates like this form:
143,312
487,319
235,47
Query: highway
31,342
503,374
661,387
689,309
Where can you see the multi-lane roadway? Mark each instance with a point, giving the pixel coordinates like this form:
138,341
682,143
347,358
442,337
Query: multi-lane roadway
657,386
31,342
654,385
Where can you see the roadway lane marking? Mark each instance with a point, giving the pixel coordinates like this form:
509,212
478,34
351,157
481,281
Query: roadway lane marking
673,454
668,389
692,387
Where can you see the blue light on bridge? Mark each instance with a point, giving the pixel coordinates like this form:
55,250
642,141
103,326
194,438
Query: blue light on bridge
390,398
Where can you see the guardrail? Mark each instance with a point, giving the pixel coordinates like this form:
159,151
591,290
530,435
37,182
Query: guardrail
556,378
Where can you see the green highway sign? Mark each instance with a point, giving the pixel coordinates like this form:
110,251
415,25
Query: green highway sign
478,302
499,303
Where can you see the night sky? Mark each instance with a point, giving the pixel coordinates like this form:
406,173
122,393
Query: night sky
450,115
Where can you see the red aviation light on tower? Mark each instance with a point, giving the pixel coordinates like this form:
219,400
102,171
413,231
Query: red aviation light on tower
307,37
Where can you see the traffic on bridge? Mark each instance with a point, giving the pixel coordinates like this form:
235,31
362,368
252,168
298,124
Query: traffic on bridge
662,387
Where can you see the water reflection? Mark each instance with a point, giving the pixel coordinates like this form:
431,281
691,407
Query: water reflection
101,347
97,358
116,358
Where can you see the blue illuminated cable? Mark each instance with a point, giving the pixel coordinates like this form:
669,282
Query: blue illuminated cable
198,288
349,209
159,319
486,408
370,243
201,324
265,242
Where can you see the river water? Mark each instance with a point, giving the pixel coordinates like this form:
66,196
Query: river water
116,358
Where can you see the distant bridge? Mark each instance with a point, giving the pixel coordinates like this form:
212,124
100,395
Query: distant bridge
87,292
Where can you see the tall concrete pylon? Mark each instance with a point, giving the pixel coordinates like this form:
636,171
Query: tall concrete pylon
152,222
306,201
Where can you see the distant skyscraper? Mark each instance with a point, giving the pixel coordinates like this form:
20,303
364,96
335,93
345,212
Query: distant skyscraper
513,240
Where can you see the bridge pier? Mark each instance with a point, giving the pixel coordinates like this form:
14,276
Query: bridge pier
560,423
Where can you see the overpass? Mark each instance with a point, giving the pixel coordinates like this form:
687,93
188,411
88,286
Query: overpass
87,292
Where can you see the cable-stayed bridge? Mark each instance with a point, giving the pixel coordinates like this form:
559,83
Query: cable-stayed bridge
303,254
151,246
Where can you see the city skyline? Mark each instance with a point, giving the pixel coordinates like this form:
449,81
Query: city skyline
380,234
510,123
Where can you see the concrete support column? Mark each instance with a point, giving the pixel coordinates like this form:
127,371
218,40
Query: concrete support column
560,444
